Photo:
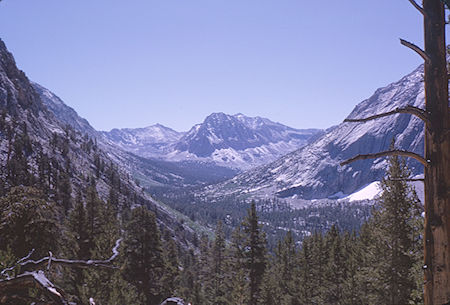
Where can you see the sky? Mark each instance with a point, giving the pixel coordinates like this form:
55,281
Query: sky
136,63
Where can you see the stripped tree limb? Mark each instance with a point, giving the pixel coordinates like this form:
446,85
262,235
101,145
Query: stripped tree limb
11,286
416,49
407,179
74,263
395,152
417,6
420,113
37,279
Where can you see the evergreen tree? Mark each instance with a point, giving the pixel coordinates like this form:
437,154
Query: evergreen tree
28,221
76,246
144,261
335,268
236,280
219,296
305,280
394,237
254,253
172,272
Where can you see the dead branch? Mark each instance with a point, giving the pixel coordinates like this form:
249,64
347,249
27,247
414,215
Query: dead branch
386,154
36,279
407,179
420,113
416,49
417,6
74,263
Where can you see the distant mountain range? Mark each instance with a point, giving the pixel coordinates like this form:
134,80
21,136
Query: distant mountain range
314,171
274,159
234,141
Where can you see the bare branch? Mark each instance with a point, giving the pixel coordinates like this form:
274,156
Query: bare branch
406,179
420,113
67,262
4,271
417,6
36,279
388,153
416,49
76,263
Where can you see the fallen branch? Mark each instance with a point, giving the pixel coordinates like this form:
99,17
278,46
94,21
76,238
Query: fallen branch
74,263
386,154
36,279
10,286
418,112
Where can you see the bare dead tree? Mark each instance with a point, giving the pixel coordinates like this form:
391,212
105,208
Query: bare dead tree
436,117
15,287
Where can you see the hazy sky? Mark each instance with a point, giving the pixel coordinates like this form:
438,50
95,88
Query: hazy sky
140,62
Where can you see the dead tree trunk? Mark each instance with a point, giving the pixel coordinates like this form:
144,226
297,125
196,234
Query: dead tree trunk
436,117
437,150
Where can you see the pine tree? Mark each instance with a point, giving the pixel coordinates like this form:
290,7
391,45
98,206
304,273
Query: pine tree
285,270
172,272
319,261
219,296
254,253
351,294
28,221
393,234
236,281
144,261
305,275
335,268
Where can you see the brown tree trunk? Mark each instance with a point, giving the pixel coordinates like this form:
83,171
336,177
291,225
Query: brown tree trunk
437,151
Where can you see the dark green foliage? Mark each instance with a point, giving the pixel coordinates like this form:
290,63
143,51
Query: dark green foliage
28,221
144,261
254,253
393,227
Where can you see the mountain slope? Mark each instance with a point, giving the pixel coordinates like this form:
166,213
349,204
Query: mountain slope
233,141
146,142
39,150
152,173
314,171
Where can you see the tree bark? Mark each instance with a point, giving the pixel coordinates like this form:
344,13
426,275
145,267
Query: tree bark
437,146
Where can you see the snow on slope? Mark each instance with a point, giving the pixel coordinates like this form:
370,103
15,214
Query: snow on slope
314,171
234,141
369,192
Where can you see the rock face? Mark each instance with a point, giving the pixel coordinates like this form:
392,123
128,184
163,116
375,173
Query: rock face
153,173
151,141
235,141
58,142
314,171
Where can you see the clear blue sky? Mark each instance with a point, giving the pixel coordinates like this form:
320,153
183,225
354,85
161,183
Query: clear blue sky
140,62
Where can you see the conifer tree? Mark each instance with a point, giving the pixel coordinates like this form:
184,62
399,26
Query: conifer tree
393,234
236,281
172,273
28,221
335,267
285,270
144,261
305,276
219,296
319,261
351,294
254,253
